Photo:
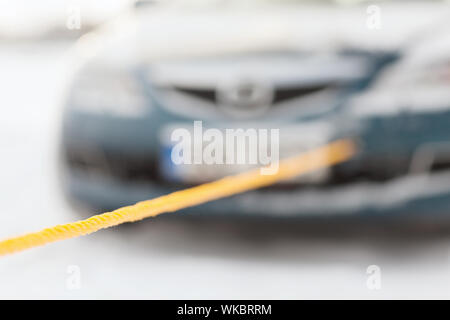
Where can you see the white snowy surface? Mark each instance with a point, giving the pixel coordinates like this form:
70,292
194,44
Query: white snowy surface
179,258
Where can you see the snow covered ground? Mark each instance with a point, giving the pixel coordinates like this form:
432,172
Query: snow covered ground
179,258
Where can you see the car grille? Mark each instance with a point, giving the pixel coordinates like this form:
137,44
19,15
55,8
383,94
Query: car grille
280,94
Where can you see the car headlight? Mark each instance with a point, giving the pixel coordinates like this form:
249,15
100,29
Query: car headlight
110,93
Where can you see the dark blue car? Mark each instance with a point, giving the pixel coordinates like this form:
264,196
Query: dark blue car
125,100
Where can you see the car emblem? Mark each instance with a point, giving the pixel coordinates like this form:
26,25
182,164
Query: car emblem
244,97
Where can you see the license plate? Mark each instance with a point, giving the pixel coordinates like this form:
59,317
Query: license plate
293,139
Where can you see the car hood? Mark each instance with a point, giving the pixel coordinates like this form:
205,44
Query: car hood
164,32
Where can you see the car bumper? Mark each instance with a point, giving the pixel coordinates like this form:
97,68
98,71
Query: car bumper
427,196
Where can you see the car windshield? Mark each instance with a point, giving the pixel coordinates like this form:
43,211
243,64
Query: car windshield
205,3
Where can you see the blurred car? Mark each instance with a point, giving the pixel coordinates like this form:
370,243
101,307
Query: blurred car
247,68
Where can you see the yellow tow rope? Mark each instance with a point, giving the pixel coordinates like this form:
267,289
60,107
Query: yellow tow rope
325,156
